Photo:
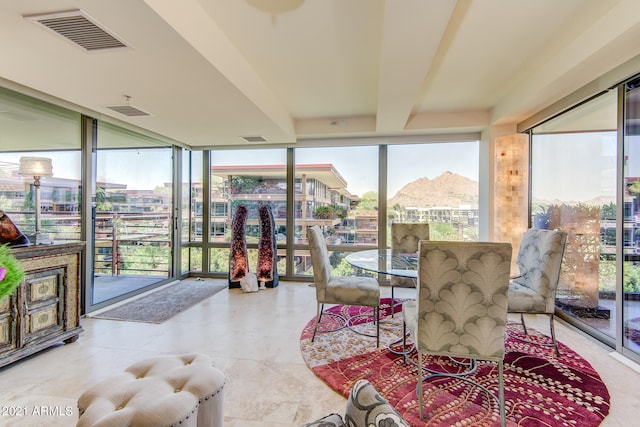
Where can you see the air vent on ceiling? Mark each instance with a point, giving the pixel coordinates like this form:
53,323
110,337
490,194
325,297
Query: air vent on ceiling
254,139
128,110
77,27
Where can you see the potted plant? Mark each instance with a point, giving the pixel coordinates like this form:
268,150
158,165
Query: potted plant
10,272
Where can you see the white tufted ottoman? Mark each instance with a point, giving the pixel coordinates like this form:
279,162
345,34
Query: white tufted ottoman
176,390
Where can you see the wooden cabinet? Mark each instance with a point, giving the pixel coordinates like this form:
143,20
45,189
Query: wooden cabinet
45,309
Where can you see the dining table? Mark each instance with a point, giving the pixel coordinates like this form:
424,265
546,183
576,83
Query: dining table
384,261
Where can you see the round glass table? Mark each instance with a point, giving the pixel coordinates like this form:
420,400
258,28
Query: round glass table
384,262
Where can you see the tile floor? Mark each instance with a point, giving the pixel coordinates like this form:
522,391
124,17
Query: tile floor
253,338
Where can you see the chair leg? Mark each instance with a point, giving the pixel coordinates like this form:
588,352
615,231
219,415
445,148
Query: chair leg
318,316
553,334
376,313
523,325
503,417
393,305
420,398
404,343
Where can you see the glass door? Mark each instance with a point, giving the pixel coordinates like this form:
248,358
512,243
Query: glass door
573,188
133,214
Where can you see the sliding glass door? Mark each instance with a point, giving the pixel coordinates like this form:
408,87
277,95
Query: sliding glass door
133,214
573,188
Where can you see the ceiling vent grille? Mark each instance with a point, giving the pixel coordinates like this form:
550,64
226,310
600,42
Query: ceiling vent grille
128,110
77,27
254,139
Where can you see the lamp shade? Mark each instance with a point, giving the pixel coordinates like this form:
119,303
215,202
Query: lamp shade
35,166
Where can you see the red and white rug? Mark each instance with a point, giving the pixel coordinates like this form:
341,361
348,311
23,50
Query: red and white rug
540,388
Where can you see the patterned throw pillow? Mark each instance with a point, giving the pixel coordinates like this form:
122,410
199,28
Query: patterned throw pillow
332,420
366,407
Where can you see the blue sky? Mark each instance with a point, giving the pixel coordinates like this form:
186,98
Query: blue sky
582,167
359,165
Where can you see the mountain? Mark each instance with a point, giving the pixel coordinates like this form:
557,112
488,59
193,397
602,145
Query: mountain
448,189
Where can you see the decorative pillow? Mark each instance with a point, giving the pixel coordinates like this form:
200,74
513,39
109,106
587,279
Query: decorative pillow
366,407
332,420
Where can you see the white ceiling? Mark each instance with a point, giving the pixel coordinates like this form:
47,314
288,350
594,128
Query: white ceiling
213,71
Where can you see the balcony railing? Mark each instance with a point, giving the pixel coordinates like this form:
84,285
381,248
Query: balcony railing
125,243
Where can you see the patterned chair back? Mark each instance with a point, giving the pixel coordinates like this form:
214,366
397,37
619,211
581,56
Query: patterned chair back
462,298
406,236
539,260
404,239
319,261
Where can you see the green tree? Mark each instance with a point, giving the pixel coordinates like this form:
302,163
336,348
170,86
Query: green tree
161,189
608,211
323,212
28,203
5,204
369,200
631,277
399,209
442,231
243,184
102,205
342,269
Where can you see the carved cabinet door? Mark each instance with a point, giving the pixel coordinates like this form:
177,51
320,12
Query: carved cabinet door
43,304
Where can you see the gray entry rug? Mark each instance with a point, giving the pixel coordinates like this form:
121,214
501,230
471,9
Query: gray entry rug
165,303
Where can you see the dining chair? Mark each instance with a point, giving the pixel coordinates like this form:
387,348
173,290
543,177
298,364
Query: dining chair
460,310
347,290
404,240
533,291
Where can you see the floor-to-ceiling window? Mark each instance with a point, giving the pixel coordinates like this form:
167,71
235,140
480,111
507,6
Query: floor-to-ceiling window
32,128
191,211
436,183
133,213
336,188
251,178
631,219
573,188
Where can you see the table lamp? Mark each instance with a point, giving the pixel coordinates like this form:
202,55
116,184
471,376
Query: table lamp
36,167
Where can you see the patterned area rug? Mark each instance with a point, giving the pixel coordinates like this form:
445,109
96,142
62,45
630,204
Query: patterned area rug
165,303
540,388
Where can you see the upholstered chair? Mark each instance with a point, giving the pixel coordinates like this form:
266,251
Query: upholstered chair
347,290
461,308
365,408
533,291
404,240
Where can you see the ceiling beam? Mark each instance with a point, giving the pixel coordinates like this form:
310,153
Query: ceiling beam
411,35
189,19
